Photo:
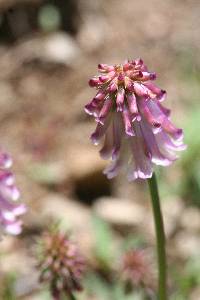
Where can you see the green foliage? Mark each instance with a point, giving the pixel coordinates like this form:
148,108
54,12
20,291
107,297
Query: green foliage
104,250
49,18
7,289
190,187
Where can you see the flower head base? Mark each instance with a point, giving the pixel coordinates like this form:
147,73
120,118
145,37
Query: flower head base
61,264
128,110
10,210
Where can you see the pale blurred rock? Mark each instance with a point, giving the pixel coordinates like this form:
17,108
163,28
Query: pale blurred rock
48,173
172,210
71,214
59,48
54,48
190,219
7,99
195,294
27,283
19,261
84,162
96,28
120,212
187,244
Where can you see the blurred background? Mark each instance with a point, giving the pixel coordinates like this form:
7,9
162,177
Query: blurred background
48,51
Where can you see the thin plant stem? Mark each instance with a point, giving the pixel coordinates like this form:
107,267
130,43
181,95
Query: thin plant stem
160,236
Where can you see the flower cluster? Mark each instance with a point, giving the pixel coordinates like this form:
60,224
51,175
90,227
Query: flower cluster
136,270
10,210
128,110
61,264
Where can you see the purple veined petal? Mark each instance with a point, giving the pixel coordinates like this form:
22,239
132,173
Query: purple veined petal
105,110
100,130
129,85
6,205
134,75
95,82
113,169
165,110
9,192
138,62
91,110
140,89
160,94
117,135
108,77
99,96
120,99
106,151
5,161
94,106
14,228
156,111
143,164
7,216
127,66
147,76
146,112
112,87
121,77
127,122
176,133
7,178
163,139
20,209
167,152
105,67
132,104
157,156
152,108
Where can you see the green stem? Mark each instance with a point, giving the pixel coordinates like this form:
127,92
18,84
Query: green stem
72,297
160,236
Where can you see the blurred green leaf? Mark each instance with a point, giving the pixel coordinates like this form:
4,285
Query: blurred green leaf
103,242
8,289
49,18
96,285
44,173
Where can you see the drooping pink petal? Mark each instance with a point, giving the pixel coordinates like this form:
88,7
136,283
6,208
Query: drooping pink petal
105,110
127,122
120,99
142,158
100,130
117,135
107,149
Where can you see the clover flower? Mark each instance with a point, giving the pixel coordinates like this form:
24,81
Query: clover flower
136,270
61,264
136,127
10,210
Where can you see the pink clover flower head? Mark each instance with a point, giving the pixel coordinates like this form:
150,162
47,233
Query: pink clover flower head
131,119
136,268
61,264
10,209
